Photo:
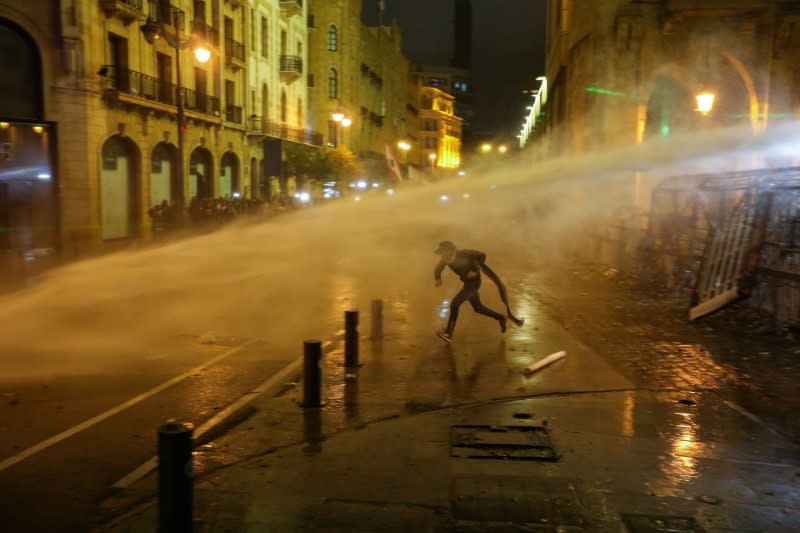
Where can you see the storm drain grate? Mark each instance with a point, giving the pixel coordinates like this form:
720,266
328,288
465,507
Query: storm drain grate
641,523
514,443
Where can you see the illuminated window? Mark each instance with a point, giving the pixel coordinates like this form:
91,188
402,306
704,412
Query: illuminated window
333,84
333,38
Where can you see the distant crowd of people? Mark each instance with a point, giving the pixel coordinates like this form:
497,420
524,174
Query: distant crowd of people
210,212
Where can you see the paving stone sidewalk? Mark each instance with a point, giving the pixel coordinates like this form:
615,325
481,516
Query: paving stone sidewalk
643,331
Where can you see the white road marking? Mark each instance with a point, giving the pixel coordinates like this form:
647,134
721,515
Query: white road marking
21,456
747,414
275,380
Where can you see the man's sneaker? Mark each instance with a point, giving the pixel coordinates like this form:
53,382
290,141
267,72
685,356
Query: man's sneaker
503,324
444,336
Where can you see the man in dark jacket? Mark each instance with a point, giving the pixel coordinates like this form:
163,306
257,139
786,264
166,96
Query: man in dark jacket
469,264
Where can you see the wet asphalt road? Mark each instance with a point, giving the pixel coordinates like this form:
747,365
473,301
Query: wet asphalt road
61,487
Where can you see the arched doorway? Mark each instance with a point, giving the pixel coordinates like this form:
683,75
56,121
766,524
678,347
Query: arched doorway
120,188
670,109
164,181
201,174
229,175
254,192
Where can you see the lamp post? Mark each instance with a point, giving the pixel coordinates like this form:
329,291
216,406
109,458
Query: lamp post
153,31
432,157
342,121
404,148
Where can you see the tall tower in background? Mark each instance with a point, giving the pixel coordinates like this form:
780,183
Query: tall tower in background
462,56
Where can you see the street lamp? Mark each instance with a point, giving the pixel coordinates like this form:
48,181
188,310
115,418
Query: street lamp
154,31
486,148
705,102
432,157
404,148
342,121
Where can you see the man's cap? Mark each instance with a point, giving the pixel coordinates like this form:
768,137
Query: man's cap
445,246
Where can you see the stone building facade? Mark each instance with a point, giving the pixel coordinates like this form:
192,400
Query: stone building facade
623,71
88,111
360,72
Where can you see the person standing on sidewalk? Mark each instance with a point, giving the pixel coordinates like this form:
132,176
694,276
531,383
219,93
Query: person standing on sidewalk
469,264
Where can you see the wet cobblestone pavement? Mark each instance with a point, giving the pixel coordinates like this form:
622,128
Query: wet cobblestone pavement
644,333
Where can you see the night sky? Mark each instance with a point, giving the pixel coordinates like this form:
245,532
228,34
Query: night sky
507,50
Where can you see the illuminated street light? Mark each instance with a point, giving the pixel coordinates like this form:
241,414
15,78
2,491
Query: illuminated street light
338,116
705,102
202,54
503,149
486,148
346,122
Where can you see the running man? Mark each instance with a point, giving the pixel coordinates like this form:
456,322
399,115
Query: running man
469,264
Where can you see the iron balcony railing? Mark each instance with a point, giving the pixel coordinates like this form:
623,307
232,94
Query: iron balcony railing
234,50
291,64
201,102
281,130
135,83
233,113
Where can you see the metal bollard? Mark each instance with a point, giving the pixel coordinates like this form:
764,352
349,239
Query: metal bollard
312,374
175,501
377,319
351,339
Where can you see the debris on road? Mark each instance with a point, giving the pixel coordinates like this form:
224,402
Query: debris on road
550,359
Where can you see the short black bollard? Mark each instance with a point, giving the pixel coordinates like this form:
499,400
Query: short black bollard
377,319
351,339
312,374
175,501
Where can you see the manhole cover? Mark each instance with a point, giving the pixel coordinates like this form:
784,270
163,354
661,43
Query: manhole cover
515,443
640,523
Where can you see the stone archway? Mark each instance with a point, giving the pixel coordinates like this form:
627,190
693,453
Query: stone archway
229,182
670,108
201,174
21,83
120,188
165,183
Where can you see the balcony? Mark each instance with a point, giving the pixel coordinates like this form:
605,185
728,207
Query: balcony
234,53
126,10
290,8
201,103
131,87
233,113
259,127
291,68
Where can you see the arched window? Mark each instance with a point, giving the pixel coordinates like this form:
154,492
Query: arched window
283,106
333,38
333,83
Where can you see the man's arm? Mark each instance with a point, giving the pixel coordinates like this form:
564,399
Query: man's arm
437,273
